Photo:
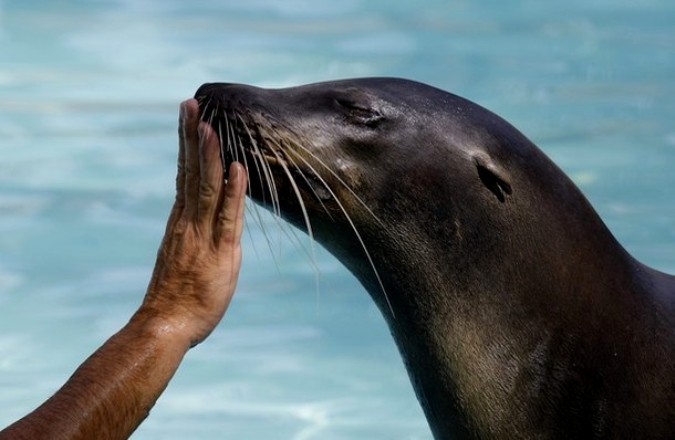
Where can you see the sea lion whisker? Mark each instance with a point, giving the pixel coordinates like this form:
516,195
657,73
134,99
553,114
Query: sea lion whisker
356,232
342,182
310,251
296,190
302,174
228,145
230,141
223,145
208,117
253,210
301,202
206,108
261,224
201,99
239,146
258,155
267,181
284,228
283,162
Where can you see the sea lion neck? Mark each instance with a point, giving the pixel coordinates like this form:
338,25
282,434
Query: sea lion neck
481,306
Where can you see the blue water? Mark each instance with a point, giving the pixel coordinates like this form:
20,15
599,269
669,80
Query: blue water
89,93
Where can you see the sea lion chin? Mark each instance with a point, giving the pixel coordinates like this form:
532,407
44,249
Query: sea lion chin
516,312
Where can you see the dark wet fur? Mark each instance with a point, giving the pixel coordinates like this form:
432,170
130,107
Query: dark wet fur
517,313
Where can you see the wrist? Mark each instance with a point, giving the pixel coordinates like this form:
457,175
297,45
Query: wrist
163,328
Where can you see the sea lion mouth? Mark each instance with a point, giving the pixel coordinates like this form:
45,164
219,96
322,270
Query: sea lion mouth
257,154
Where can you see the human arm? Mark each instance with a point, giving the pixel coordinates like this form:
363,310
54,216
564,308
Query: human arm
194,280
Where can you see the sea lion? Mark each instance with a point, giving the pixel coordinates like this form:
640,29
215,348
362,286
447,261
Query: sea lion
517,313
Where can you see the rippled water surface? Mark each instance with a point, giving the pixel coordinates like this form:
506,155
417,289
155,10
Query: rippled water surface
89,93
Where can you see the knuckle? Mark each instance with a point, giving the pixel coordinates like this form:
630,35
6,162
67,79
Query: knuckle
228,231
181,226
207,192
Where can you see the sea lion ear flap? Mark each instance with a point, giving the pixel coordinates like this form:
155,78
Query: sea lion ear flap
493,176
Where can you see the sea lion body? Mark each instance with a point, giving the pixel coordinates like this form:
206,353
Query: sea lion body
516,312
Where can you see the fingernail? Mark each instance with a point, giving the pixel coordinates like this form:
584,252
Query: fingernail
234,170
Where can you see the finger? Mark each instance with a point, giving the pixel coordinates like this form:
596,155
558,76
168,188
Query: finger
191,139
211,175
180,176
231,216
186,110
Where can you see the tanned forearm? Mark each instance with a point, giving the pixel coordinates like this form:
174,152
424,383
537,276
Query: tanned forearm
191,287
113,391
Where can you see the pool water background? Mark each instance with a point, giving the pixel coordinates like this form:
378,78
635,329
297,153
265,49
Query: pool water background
89,94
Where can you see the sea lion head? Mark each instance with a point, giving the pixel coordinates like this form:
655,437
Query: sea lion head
380,169
351,161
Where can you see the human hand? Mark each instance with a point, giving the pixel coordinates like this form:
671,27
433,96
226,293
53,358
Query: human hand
193,283
200,256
